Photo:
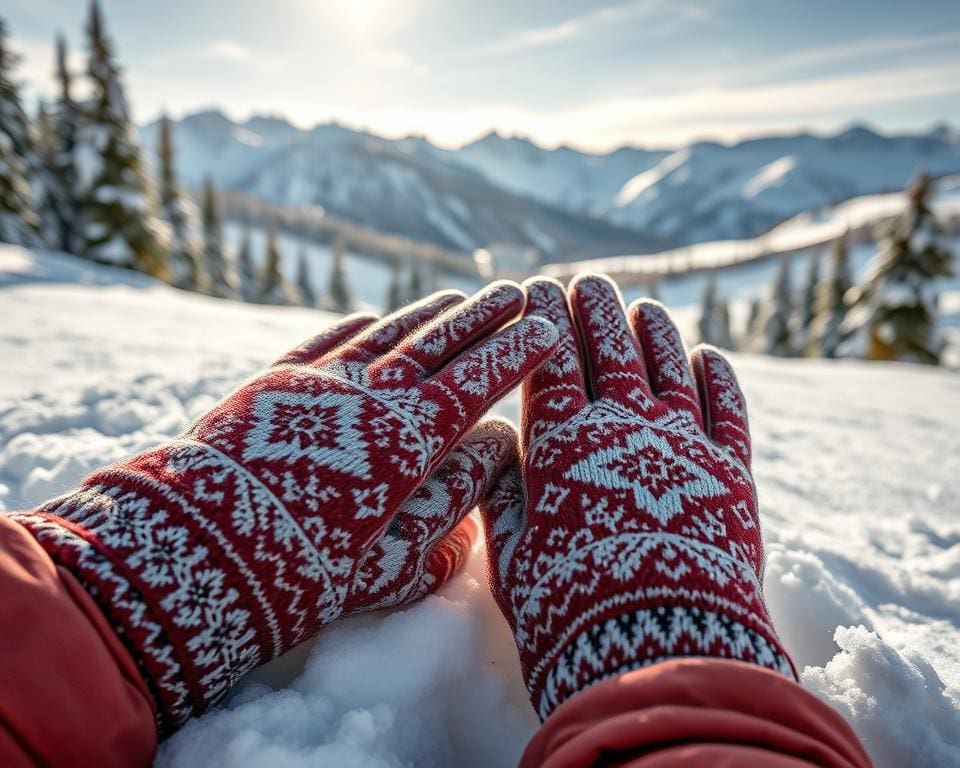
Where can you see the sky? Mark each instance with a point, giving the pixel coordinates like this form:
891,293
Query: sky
592,75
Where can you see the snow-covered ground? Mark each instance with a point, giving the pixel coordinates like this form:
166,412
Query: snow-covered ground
857,465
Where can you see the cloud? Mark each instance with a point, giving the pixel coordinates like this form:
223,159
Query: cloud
229,50
671,119
395,60
665,16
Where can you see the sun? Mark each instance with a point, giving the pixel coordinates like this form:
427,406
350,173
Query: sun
362,12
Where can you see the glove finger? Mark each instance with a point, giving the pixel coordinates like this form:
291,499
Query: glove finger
447,557
382,337
504,513
394,568
724,406
480,377
425,352
664,357
556,390
614,361
327,340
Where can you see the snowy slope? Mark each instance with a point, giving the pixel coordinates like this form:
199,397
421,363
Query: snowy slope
403,187
710,191
857,468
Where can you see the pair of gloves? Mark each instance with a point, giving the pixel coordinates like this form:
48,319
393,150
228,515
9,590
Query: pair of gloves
622,531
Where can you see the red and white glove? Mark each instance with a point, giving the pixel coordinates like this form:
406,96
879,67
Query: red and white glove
631,535
296,498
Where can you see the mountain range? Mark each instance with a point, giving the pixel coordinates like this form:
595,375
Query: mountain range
565,202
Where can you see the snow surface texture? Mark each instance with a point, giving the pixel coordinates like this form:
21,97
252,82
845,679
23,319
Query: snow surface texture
857,467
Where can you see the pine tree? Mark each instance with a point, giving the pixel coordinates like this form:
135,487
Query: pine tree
777,338
752,325
308,296
338,294
183,259
895,312
220,277
19,222
117,204
415,286
395,291
714,322
246,271
273,288
45,185
64,193
807,308
829,307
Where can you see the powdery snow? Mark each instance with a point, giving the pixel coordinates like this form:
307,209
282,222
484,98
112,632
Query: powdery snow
857,467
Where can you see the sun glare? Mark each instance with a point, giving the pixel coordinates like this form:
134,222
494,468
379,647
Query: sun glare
363,13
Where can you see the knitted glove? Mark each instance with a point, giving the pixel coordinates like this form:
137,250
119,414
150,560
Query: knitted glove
632,534
266,519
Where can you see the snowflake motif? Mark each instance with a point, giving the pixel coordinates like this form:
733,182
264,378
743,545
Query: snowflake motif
320,428
553,497
647,465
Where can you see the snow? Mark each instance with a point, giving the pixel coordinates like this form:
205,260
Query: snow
857,468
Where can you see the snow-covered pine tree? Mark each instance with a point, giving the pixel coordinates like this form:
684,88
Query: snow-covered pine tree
19,220
308,297
273,288
64,194
894,314
395,290
44,183
183,260
338,294
806,310
221,279
246,271
118,206
724,334
415,286
830,308
706,325
777,338
714,322
752,325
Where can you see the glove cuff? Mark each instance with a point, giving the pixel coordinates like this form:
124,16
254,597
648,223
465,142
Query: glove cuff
646,636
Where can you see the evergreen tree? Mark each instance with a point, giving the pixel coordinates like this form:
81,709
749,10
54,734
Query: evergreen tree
807,308
829,307
308,296
777,338
753,323
183,259
64,193
246,271
273,288
714,322
895,314
117,207
415,286
395,291
19,222
724,334
44,186
338,294
221,280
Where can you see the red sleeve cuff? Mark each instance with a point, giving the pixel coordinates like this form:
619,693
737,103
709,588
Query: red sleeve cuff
71,694
695,712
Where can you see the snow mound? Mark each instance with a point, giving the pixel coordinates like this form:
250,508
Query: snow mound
856,468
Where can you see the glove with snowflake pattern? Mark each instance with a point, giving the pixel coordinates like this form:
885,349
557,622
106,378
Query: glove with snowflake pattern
295,499
631,535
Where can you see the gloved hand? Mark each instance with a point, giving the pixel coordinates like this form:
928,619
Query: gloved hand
266,519
632,534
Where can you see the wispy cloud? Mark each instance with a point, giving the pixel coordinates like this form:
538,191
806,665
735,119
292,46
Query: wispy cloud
396,61
229,50
665,15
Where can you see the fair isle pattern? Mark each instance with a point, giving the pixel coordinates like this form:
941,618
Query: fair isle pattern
319,487
640,638
632,533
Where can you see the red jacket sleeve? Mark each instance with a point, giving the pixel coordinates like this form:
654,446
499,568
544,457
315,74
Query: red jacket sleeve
70,694
693,713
